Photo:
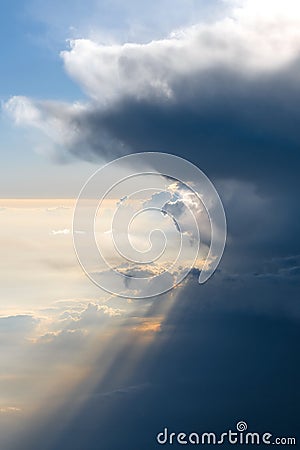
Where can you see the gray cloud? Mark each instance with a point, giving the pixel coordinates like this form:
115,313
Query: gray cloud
14,328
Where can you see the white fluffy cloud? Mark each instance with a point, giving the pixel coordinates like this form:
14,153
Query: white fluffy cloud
247,42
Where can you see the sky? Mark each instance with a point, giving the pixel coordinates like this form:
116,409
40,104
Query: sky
82,83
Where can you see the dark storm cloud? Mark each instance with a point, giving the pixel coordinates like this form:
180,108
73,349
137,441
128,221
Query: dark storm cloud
234,127
231,125
242,130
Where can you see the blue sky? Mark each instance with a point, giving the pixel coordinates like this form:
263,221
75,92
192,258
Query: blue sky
32,64
32,67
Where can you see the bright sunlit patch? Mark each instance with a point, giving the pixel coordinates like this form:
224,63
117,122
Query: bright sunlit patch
149,326
10,410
